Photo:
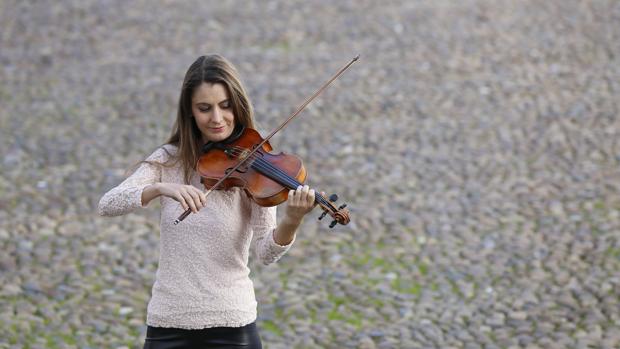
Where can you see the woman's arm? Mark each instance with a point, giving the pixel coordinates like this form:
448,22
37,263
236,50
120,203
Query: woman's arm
144,185
274,240
127,196
187,195
150,192
299,203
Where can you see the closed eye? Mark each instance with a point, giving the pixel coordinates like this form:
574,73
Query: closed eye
203,107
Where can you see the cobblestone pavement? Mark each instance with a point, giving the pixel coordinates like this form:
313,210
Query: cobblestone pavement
476,143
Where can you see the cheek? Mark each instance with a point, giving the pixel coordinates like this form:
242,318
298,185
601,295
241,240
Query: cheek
230,117
201,118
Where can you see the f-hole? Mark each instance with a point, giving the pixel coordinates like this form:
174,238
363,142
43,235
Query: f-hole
242,169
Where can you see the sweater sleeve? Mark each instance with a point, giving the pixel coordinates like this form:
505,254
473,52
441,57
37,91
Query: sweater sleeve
127,196
263,223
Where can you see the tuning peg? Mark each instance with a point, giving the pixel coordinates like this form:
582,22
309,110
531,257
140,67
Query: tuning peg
322,215
333,198
333,224
342,206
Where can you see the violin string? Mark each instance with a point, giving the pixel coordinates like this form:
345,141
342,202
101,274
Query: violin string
275,171
265,165
278,173
281,175
270,169
268,165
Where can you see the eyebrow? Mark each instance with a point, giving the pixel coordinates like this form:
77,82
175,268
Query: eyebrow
222,101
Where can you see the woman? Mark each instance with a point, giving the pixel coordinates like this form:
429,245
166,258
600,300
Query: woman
203,296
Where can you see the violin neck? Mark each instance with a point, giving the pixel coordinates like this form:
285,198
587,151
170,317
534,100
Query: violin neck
275,174
279,176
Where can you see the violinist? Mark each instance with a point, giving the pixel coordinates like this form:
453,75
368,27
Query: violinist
202,296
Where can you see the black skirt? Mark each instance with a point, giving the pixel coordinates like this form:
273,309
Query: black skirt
214,337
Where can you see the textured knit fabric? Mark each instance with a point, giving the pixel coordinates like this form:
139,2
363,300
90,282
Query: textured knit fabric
203,276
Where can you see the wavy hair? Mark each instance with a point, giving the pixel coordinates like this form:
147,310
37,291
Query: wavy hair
186,135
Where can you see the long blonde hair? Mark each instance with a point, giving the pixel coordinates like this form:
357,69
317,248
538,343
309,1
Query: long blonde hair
185,133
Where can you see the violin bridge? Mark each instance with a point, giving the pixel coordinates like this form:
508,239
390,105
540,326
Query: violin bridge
244,154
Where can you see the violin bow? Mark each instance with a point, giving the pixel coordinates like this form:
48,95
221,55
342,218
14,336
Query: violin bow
282,125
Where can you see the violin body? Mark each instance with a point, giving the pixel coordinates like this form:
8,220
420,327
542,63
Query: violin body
254,175
265,177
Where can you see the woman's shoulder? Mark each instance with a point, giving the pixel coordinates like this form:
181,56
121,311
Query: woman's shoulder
163,153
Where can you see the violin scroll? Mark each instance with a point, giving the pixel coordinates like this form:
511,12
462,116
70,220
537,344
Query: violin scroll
340,214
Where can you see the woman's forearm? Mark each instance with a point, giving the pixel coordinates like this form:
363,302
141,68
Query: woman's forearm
285,231
299,203
149,193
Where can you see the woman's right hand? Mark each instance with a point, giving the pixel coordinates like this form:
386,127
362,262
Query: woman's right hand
187,195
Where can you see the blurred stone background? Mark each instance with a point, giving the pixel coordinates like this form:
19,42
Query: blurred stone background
476,143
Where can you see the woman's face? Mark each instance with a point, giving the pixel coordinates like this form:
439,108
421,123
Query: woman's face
212,110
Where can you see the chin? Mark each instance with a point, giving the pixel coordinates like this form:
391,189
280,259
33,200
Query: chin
218,137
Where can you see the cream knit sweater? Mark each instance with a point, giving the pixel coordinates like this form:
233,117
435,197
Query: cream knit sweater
203,275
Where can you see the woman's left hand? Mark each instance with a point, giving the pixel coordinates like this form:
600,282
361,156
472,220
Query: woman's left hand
300,202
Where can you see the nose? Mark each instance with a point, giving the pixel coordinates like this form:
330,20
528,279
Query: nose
217,115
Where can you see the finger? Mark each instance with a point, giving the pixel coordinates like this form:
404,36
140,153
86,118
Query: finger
306,198
301,195
190,201
291,195
181,200
200,197
311,198
195,194
294,197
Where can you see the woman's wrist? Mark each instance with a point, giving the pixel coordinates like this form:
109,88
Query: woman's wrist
292,220
285,231
150,192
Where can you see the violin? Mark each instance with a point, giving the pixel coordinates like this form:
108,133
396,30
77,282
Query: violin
265,177
244,160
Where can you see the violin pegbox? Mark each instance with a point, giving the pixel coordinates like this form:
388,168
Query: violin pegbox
340,214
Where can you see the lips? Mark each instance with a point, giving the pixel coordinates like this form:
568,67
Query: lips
217,129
